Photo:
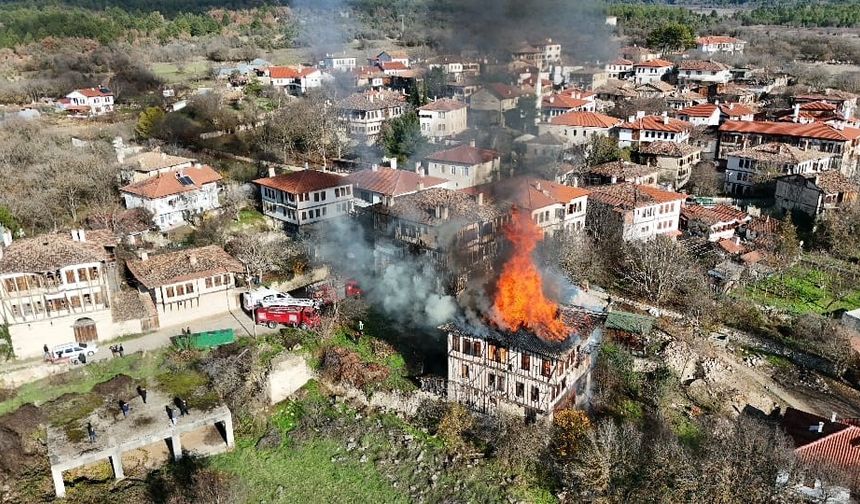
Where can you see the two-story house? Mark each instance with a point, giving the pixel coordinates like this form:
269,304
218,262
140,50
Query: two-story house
384,185
295,80
188,284
675,160
639,54
736,112
814,193
464,165
644,129
365,112
55,289
706,114
554,105
550,51
390,57
845,102
620,172
339,62
89,101
175,197
713,223
443,118
633,212
579,127
305,197
494,370
619,68
552,206
651,70
701,72
748,168
720,43
152,163
489,104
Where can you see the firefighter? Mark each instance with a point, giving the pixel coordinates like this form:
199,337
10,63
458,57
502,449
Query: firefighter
141,391
121,350
171,414
47,352
182,405
125,408
91,432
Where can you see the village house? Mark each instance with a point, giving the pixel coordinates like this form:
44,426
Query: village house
365,112
620,172
633,212
578,128
393,68
489,104
464,165
390,57
700,72
713,223
643,129
553,207
455,232
384,185
369,77
638,54
555,105
654,89
747,168
720,43
451,66
736,112
443,118
305,197
88,101
842,143
683,99
619,68
528,53
339,62
814,193
675,160
550,51
845,102
152,163
295,80
188,284
706,114
587,78
175,197
519,373
56,289
651,70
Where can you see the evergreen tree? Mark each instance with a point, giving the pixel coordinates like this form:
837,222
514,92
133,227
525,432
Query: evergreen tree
147,120
401,137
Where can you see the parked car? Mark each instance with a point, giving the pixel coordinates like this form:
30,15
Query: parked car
74,349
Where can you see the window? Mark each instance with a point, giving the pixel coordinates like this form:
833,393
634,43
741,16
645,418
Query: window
525,362
70,276
491,380
317,213
189,288
88,300
464,372
94,273
75,301
546,368
521,390
455,343
476,348
535,394
169,292
304,216
208,282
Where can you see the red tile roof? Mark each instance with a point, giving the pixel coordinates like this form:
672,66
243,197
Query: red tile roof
464,155
731,246
503,91
838,443
702,65
561,101
302,181
735,109
766,225
391,182
717,39
392,65
655,63
629,196
94,92
621,61
585,120
658,123
168,184
444,105
703,110
528,193
818,106
287,72
714,215
815,130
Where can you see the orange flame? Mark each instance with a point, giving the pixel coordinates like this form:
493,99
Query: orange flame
520,302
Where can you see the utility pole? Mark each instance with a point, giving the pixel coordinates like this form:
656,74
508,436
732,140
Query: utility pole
402,29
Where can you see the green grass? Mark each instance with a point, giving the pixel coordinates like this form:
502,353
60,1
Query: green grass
190,385
172,73
250,216
305,474
801,289
83,379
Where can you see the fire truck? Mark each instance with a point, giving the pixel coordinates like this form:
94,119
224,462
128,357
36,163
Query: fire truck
328,292
305,317
265,297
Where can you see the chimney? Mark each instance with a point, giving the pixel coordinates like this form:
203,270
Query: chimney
737,240
472,142
833,417
192,259
796,115
665,117
393,163
306,165
144,255
575,181
481,203
271,171
374,167
82,235
418,169
420,185
640,114
537,185
820,427
631,118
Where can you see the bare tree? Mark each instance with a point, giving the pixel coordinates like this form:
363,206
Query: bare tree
655,268
234,198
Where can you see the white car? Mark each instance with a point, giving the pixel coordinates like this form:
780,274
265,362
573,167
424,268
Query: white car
72,350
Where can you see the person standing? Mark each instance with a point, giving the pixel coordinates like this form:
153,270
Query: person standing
171,414
121,350
91,432
47,352
125,408
183,407
141,391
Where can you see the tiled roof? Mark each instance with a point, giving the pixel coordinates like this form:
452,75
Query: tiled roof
94,92
561,101
503,91
51,252
443,105
392,65
623,169
167,184
752,257
731,246
585,120
838,443
548,138
833,95
628,196
658,123
152,161
818,106
463,155
834,182
621,61
391,182
815,130
702,65
372,100
302,181
664,148
287,72
663,87
776,152
703,110
655,63
736,109
173,267
421,207
765,225
528,193
717,39
713,215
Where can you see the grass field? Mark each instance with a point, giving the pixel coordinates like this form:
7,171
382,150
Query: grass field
196,70
803,288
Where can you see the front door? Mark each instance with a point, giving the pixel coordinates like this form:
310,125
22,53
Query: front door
85,330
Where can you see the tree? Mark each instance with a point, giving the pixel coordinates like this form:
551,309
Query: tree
147,120
602,149
570,429
705,180
672,37
401,137
839,231
453,427
435,83
786,247
8,221
654,269
233,199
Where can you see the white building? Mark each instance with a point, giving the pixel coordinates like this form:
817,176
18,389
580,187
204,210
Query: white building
718,43
633,212
714,223
749,167
188,284
339,62
175,197
550,51
464,165
365,112
89,101
675,160
295,80
706,114
651,70
579,127
703,72
561,103
645,129
619,68
305,197
443,118
55,289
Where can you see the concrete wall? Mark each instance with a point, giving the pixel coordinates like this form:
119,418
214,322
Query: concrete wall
205,305
287,376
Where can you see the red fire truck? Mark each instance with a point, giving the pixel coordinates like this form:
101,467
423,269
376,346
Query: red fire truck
328,292
305,317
